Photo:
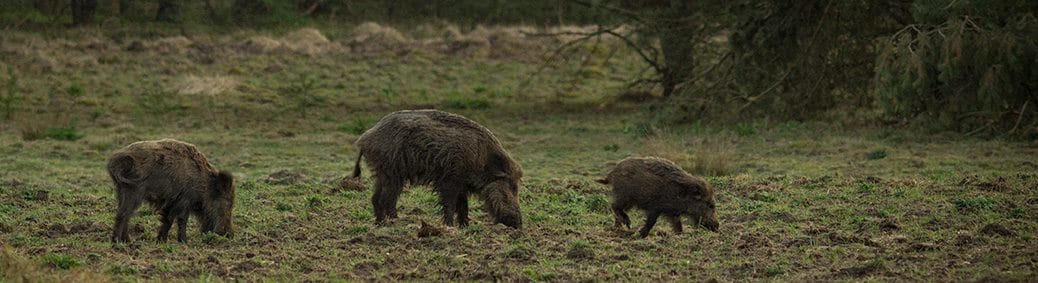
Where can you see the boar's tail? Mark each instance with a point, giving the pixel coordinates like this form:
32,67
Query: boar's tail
356,166
121,169
603,181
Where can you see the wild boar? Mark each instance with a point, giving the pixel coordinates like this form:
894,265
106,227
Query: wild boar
177,180
455,155
659,187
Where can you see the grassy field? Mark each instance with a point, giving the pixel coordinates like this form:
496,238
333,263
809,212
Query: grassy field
797,201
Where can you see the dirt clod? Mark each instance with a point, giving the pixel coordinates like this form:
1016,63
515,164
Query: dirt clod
861,270
429,230
352,184
889,224
84,226
921,247
580,252
38,196
997,229
55,230
14,183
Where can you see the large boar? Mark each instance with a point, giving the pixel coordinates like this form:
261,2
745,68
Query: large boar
455,155
659,187
177,181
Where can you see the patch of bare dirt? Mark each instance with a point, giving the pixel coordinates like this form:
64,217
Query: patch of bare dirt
889,224
753,241
996,229
860,270
921,247
85,226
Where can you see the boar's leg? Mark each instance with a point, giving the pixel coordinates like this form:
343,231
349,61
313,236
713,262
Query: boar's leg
463,209
182,227
129,201
449,197
620,216
384,199
675,223
167,222
650,221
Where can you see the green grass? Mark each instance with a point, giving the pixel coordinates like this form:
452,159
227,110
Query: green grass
797,201
60,261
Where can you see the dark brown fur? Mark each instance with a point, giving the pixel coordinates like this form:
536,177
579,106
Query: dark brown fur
455,155
177,180
659,187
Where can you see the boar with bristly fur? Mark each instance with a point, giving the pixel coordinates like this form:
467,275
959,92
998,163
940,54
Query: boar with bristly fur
453,154
178,181
659,187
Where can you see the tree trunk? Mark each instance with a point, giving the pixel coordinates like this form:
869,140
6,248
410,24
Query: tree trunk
125,6
676,44
83,11
169,11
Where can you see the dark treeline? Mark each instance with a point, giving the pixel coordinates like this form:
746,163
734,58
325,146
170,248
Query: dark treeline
957,65
264,13
961,65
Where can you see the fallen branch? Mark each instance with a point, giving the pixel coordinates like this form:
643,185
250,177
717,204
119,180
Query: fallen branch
1020,116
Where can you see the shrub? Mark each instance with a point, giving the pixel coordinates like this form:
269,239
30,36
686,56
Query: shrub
11,96
704,158
965,65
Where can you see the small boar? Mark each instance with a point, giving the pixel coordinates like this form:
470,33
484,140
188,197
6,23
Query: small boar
455,155
177,180
659,187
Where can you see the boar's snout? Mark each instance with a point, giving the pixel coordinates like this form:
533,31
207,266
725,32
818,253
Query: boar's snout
711,225
228,233
513,220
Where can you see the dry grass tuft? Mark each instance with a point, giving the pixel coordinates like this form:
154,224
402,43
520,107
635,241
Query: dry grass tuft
698,157
372,37
259,44
193,85
308,41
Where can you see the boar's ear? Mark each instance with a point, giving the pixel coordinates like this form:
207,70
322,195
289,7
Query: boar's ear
224,183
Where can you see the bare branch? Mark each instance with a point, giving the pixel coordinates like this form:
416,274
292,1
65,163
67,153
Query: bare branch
638,49
313,7
1020,117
